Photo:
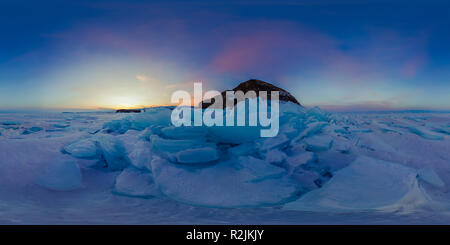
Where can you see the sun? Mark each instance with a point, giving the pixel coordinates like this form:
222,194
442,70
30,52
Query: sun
126,102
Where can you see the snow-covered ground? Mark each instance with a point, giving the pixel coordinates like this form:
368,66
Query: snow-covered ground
322,168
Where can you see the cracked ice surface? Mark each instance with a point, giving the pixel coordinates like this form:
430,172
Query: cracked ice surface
322,167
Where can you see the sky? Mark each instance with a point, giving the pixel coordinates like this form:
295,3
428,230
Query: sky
338,55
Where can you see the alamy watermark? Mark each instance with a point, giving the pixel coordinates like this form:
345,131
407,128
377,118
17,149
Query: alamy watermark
235,114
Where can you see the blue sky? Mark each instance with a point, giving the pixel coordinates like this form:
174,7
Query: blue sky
342,55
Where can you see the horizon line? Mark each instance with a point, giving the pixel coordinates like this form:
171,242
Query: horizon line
331,108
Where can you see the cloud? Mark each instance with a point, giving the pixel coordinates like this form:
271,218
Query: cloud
227,50
141,78
413,66
274,46
171,86
234,47
277,48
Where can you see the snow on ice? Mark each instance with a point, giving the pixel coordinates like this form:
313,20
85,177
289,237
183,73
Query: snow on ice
319,162
60,176
136,183
365,184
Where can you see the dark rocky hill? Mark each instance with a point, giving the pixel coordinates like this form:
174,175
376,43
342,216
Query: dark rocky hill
256,85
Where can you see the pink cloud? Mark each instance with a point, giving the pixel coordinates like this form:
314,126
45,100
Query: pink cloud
264,49
412,67
280,47
246,52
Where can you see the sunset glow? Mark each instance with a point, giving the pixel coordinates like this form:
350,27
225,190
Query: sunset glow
109,58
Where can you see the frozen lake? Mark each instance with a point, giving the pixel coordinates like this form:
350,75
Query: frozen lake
322,168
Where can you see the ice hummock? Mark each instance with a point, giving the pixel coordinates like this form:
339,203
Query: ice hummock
112,152
318,143
135,183
301,159
198,155
85,148
430,176
234,134
141,121
319,161
172,145
184,132
245,183
142,155
366,184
